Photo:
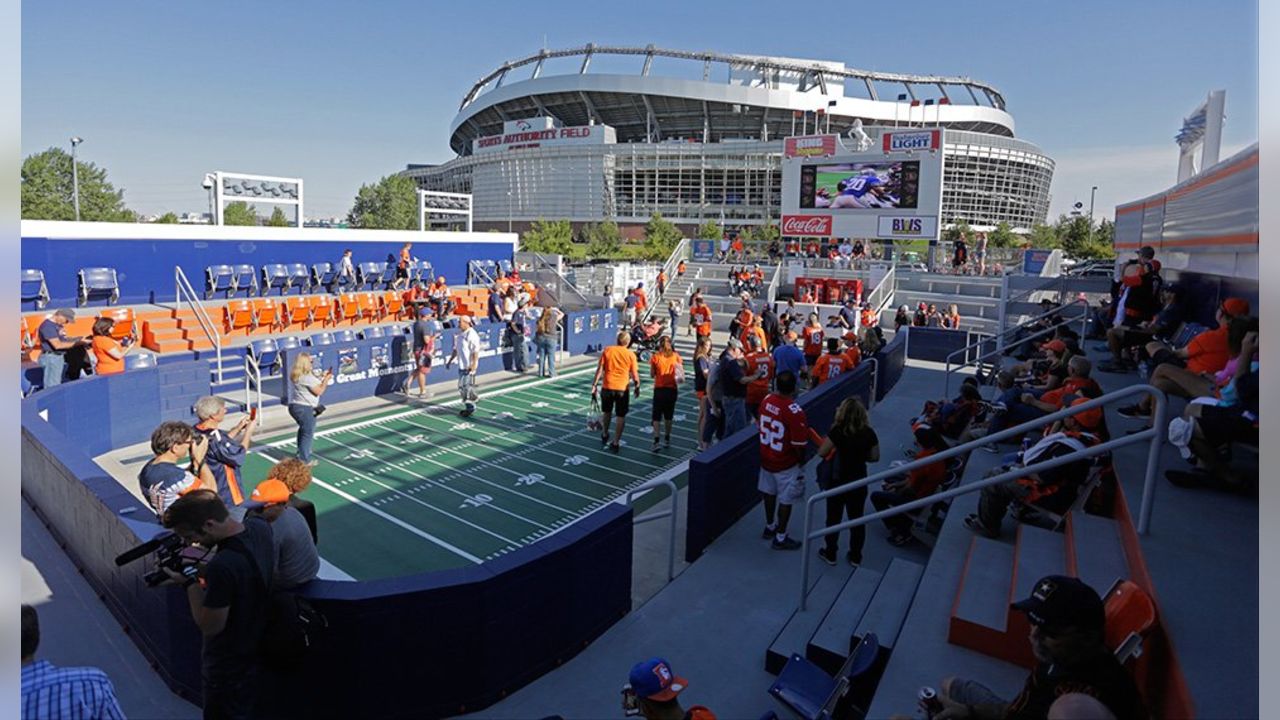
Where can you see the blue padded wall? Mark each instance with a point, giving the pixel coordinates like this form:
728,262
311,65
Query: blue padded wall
590,331
145,266
935,344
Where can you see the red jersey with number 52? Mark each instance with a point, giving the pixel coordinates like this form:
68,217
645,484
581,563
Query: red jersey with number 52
783,431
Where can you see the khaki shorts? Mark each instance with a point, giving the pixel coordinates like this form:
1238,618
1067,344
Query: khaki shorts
786,484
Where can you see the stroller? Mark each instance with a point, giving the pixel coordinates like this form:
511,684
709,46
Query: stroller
645,336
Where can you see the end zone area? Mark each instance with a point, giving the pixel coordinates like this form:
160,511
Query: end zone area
421,489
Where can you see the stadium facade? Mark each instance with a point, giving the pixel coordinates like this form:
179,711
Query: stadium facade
698,136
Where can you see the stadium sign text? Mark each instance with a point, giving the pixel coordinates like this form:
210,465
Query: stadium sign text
902,142
912,226
595,134
809,146
806,225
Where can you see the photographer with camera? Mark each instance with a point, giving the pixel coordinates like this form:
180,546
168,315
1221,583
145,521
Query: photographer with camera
230,601
227,448
652,693
161,479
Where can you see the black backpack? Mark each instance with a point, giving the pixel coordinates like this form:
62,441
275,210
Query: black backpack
292,622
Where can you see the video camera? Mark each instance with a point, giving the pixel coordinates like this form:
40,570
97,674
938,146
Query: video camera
170,552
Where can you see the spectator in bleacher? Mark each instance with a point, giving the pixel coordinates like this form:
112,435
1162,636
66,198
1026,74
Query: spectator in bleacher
516,326
493,308
296,558
701,372
921,317
830,365
959,255
1139,288
758,358
161,479
788,357
1188,372
932,317
902,318
724,248
1025,405
1163,325
629,308
1211,427
980,252
700,317
1061,483
952,318
296,475
915,484
667,370
303,398
59,353
734,380
784,436
227,448
466,349
439,296
345,273
50,692
424,349
230,607
652,693
849,313
854,444
1068,639
107,351
401,281
813,334
615,371
680,266
546,340
852,350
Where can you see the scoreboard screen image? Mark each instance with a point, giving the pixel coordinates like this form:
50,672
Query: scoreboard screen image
888,185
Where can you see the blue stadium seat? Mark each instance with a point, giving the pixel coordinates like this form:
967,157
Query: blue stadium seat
323,275
275,275
219,278
97,283
34,289
373,332
300,277
320,339
266,353
246,278
420,270
370,274
344,336
139,361
804,690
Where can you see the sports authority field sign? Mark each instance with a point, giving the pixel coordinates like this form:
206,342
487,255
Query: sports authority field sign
893,189
542,132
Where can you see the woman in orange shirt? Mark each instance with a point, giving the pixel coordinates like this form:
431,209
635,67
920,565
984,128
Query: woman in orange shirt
109,353
667,370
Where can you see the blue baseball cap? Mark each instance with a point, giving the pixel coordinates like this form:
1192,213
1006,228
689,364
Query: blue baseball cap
654,680
425,312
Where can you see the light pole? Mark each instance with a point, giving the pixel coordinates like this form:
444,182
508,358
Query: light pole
75,176
208,184
1092,192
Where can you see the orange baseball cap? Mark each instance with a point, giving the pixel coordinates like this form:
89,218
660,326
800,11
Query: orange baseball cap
1235,307
270,492
1056,345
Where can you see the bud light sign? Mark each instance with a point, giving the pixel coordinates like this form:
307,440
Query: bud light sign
908,141
818,225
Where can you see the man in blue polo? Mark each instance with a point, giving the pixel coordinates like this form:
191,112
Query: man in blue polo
789,358
55,345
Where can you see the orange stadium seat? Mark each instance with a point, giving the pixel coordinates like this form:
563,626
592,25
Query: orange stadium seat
369,306
321,307
347,309
392,304
266,313
238,315
1130,617
296,312
126,323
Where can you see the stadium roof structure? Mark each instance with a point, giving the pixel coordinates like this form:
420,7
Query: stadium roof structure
693,99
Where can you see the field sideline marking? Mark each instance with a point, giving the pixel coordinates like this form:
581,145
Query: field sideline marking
391,518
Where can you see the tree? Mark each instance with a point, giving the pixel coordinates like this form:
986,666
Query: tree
278,219
1043,237
1003,237
660,237
389,204
959,229
167,219
552,237
239,213
604,240
710,230
47,190
768,232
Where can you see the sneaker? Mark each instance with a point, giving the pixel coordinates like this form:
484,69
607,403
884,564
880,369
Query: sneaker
657,445
666,442
828,557
769,532
614,448
854,560
1133,411
973,523
604,439
786,543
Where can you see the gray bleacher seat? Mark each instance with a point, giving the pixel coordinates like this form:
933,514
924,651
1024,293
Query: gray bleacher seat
219,278
370,275
275,275
246,278
300,278
323,275
97,283
320,339
139,361
805,691
373,332
34,289
344,336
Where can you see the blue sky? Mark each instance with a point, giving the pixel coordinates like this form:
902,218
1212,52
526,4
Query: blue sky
344,93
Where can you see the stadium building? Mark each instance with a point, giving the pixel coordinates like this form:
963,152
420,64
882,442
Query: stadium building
596,132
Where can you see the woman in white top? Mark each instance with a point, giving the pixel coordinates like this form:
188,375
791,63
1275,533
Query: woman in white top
305,389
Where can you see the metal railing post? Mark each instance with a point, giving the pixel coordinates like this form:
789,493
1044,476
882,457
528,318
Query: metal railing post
206,323
664,480
1153,464
1004,309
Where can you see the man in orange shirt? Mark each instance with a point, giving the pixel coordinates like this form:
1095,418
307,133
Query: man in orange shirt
1188,372
829,365
642,299
700,314
662,282
758,358
439,295
812,340
913,485
617,368
852,353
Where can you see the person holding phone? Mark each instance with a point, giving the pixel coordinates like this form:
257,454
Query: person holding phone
305,388
227,448
107,351
162,480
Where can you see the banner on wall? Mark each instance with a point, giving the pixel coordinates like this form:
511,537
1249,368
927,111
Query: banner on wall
704,249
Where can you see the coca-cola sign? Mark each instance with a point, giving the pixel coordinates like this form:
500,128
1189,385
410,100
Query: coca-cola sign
806,225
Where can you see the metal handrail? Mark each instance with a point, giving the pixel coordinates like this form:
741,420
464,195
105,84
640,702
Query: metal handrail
182,285
887,288
477,269
663,480
1001,347
252,375
1154,434
669,267
563,279
772,293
